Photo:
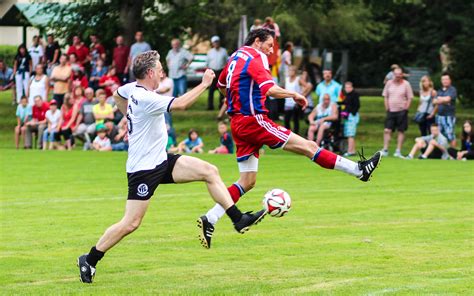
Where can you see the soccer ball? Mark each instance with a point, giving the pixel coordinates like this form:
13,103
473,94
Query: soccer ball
277,202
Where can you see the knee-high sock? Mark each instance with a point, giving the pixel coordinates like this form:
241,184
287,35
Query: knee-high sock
329,160
214,214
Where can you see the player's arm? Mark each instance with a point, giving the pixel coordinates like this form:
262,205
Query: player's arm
280,93
121,103
185,101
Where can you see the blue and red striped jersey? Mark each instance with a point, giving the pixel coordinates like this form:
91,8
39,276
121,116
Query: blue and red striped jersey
247,79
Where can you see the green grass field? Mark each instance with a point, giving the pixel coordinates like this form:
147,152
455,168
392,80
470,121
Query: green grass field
407,232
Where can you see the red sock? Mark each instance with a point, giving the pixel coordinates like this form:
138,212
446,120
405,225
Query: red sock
236,191
325,158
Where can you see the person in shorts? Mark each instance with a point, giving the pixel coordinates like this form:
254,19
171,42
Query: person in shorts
446,103
351,115
321,119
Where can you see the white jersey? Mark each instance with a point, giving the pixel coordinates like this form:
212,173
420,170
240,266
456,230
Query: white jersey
147,134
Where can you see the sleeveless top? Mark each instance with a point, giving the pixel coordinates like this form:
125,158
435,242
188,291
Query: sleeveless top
37,88
67,116
424,101
292,86
323,112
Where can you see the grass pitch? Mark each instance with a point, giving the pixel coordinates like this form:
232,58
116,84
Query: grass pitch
409,231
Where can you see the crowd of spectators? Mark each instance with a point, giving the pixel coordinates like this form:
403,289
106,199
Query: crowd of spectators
64,99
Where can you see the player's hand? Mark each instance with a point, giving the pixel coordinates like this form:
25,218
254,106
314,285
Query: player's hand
208,77
301,100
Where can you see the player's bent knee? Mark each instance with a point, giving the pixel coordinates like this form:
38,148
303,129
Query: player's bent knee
211,172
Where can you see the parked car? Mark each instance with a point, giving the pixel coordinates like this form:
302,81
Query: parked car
196,69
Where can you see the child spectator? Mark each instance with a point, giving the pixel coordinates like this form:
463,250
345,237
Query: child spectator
432,146
108,80
53,116
23,113
67,122
193,144
467,148
227,144
101,141
103,110
351,112
98,71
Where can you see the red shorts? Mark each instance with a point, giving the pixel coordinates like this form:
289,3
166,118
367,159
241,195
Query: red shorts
250,133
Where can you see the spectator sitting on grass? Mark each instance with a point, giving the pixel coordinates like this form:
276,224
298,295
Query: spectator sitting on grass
467,148
171,145
23,113
193,144
37,123
52,117
227,144
432,146
102,110
101,141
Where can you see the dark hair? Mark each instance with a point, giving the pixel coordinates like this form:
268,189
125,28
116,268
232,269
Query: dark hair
434,125
262,34
445,74
465,135
288,45
192,131
18,50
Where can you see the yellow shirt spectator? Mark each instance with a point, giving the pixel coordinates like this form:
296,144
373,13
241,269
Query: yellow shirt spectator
102,112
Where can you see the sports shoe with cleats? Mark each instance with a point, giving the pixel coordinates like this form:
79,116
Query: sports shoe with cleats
86,271
207,229
368,166
248,220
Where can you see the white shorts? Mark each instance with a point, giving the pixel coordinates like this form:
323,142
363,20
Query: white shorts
248,165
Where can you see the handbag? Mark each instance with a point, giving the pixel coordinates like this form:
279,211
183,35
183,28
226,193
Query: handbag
420,117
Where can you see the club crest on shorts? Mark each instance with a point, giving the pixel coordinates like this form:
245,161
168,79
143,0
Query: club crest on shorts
142,190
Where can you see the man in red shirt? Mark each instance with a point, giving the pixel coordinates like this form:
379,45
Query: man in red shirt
81,51
37,124
246,81
120,58
107,81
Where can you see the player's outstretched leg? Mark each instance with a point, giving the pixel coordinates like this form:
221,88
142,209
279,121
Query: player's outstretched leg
189,169
329,160
134,212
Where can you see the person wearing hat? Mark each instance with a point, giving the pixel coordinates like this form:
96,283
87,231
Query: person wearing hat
101,141
216,60
52,119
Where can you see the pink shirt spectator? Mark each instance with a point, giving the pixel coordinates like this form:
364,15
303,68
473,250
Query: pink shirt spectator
397,94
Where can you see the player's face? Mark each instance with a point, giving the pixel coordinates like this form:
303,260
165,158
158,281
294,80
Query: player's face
156,74
267,46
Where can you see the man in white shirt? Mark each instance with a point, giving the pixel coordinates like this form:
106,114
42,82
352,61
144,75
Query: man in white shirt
148,164
178,60
216,60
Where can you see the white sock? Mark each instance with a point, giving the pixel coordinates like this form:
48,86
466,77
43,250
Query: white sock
347,166
215,214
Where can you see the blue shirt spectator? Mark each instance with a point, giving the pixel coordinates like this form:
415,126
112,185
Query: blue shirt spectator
23,112
448,109
6,76
328,86
190,144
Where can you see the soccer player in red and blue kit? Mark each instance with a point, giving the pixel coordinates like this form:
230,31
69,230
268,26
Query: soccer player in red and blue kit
246,82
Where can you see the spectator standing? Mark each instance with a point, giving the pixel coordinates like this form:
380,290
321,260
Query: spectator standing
85,120
425,113
23,114
53,115
38,86
6,77
52,53
138,47
434,145
108,80
102,110
166,88
178,60
36,52
96,50
80,50
216,60
226,142
61,77
293,110
98,71
467,147
273,57
37,124
257,24
321,118
67,122
22,67
307,90
446,103
398,95
73,62
286,61
351,112
390,74
328,86
120,58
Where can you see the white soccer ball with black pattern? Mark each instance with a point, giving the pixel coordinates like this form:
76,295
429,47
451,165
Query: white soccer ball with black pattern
277,202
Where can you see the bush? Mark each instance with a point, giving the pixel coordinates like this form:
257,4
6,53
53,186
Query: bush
462,71
7,54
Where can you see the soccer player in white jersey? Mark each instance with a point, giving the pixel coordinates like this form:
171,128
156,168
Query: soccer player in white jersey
149,165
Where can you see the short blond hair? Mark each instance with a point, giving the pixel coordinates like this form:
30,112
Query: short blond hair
145,61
